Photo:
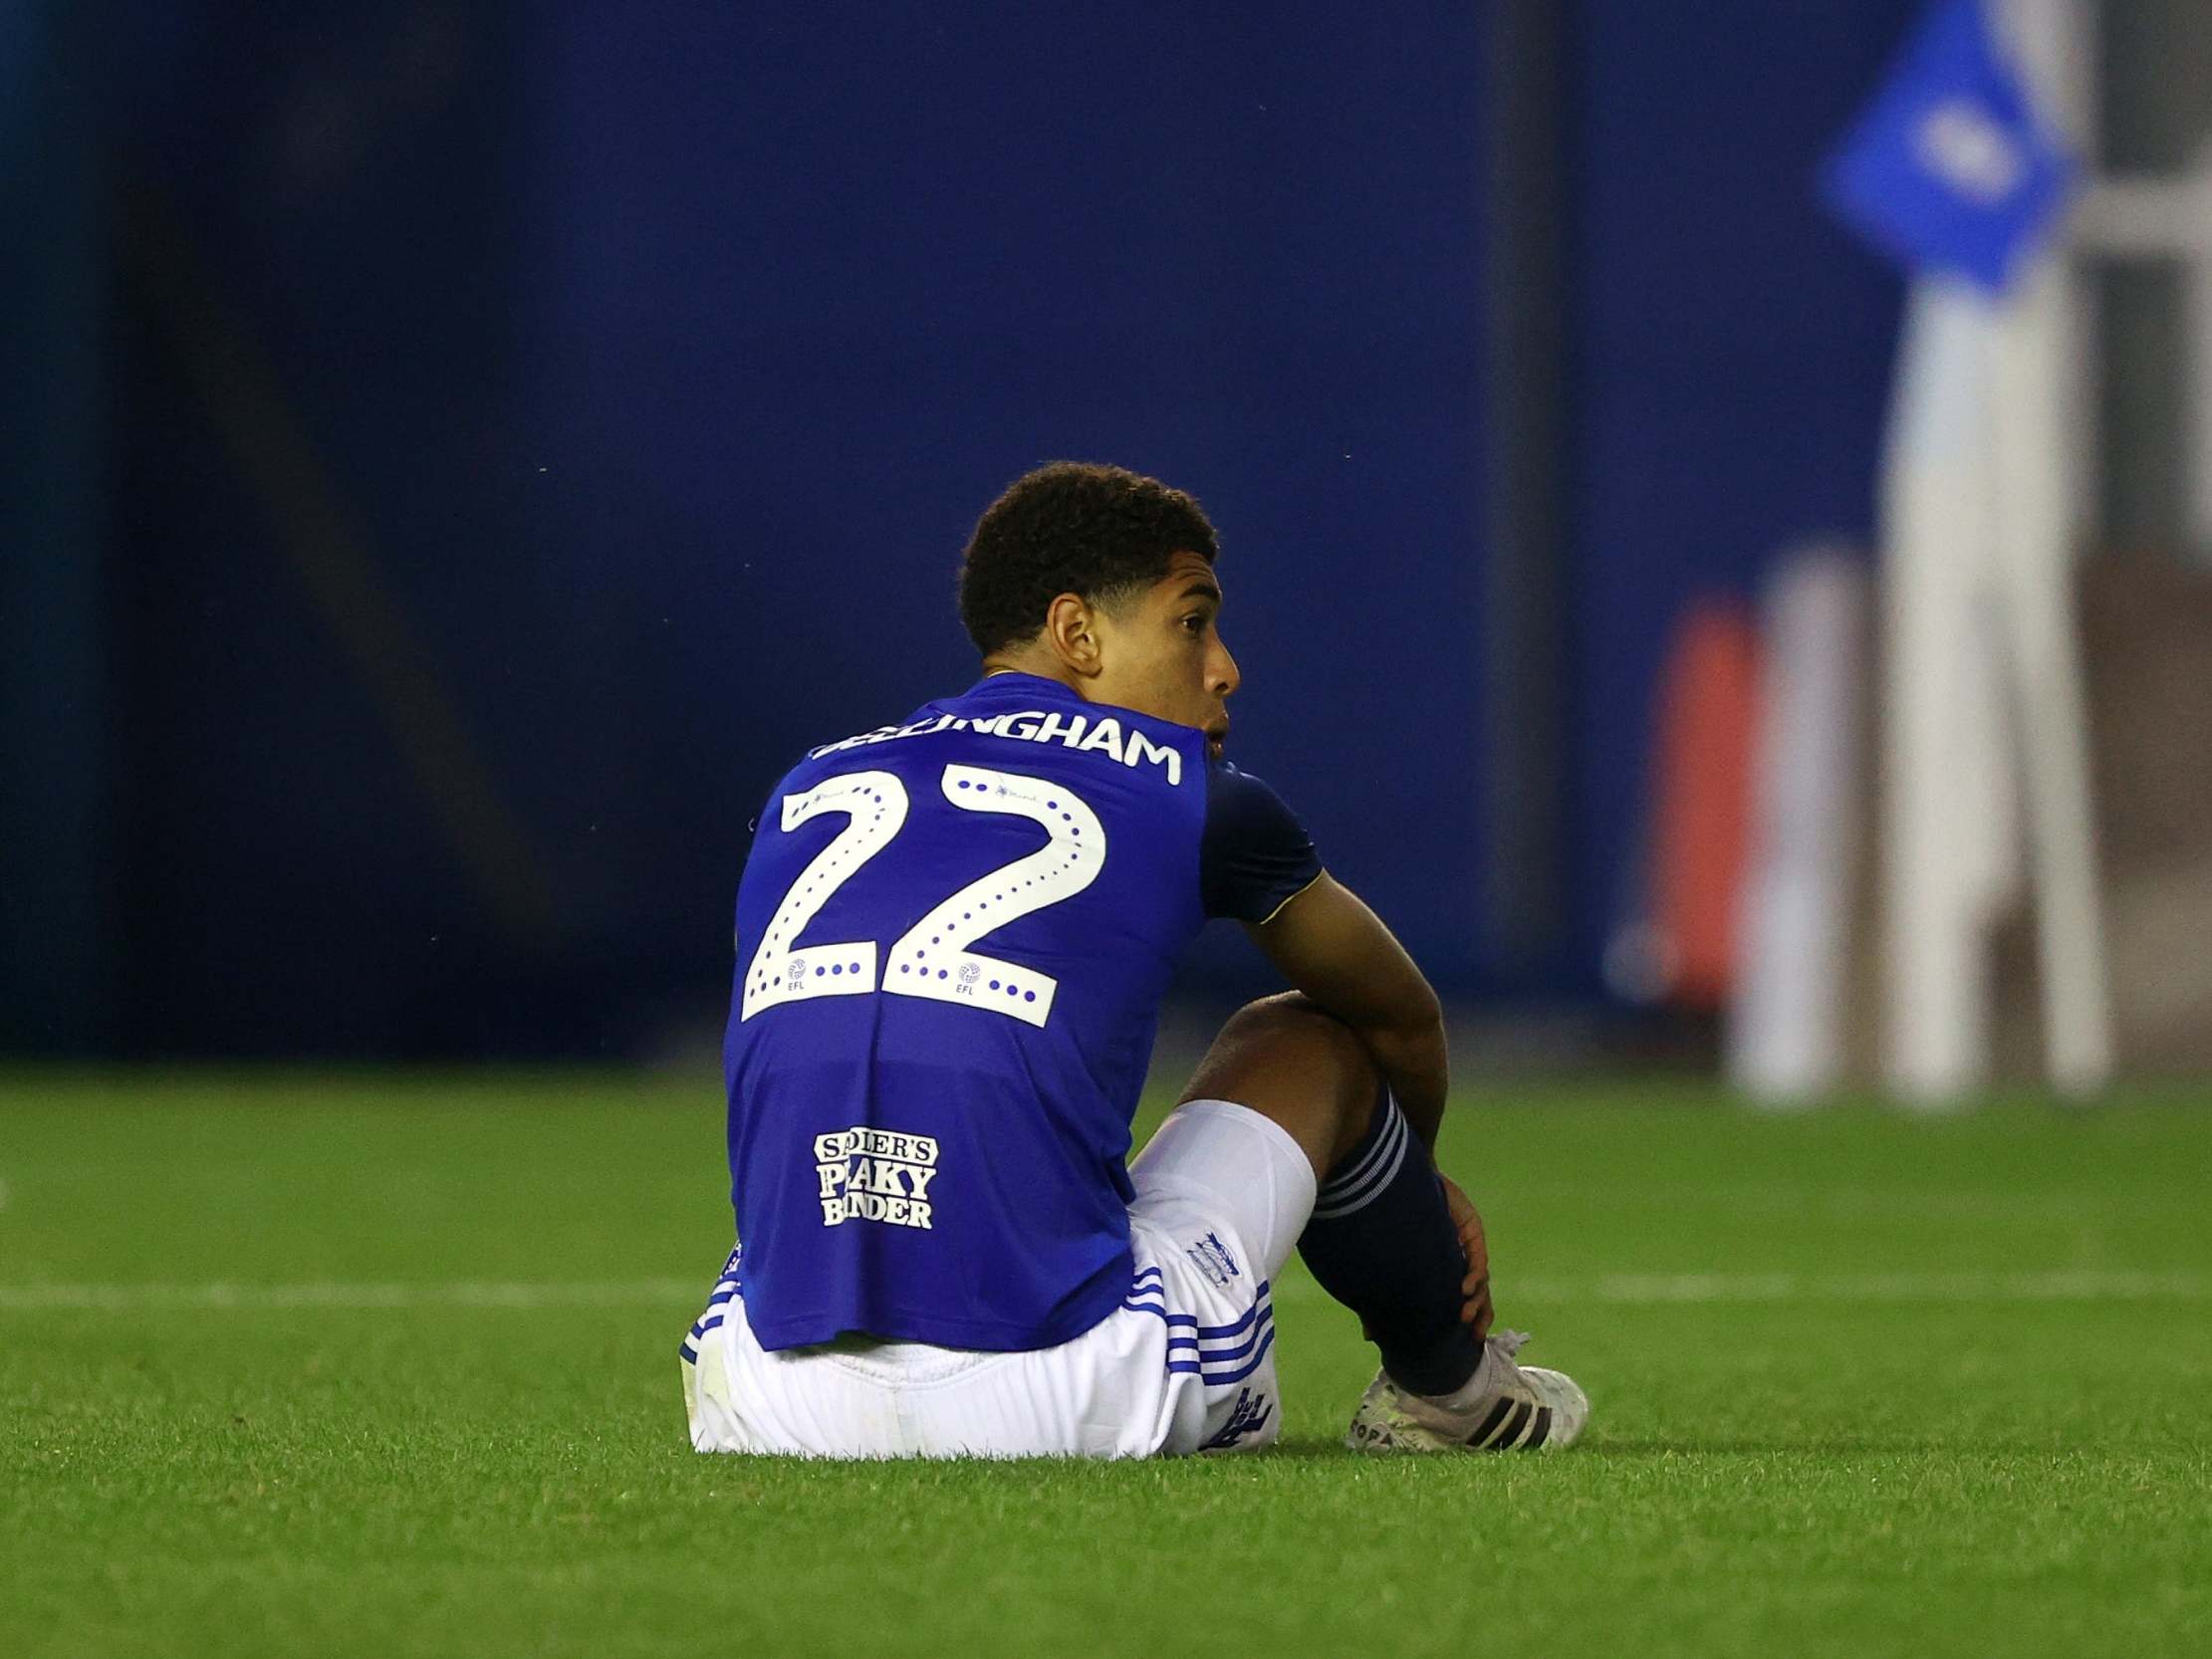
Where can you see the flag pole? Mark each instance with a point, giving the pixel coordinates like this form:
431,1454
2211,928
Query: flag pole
1959,168
1946,801
2031,339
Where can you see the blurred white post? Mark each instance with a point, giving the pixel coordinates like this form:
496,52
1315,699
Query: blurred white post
1981,667
1947,817
2043,659
2035,358
1786,1027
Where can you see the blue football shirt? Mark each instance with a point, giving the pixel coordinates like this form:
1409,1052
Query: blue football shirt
952,936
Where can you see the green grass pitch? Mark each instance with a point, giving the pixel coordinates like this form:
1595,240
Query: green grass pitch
385,1365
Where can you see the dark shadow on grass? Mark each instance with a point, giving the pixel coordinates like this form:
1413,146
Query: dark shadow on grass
1325,1448
1313,1448
1302,1449
1811,1445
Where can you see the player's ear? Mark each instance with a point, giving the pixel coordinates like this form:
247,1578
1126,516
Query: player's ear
1072,630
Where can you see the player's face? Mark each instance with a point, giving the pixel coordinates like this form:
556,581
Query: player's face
1161,653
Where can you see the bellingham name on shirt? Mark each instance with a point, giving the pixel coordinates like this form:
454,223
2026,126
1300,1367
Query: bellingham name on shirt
1071,731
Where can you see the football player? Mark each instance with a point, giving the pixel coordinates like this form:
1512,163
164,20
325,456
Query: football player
954,934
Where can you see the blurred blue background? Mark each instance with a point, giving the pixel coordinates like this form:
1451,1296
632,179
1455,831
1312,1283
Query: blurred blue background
460,455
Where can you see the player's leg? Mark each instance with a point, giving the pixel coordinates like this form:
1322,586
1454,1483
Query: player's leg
1380,1238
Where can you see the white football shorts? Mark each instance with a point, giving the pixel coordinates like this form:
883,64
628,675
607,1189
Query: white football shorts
1185,1365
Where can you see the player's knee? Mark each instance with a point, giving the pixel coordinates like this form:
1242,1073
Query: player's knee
1296,1033
1289,1017
1288,1011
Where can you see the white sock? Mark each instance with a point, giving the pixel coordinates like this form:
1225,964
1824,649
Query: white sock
1466,1400
1478,1391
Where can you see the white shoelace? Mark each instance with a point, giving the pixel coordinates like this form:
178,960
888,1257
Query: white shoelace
1509,1343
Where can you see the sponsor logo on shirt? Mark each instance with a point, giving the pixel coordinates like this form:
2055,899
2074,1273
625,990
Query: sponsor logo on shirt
875,1175
1247,1417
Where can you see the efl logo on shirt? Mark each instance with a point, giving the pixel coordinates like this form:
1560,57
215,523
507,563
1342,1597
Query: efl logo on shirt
875,1175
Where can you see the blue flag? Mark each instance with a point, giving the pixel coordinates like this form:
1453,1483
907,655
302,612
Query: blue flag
1950,167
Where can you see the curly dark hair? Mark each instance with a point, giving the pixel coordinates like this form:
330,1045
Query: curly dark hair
1071,526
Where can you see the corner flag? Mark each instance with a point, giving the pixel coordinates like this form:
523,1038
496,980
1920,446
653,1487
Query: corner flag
1950,167
1958,170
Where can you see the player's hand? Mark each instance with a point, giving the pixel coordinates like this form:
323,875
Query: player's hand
1476,1286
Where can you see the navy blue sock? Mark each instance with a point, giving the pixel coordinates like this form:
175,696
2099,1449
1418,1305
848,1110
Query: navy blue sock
1381,1243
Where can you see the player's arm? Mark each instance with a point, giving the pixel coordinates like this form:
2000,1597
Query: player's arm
1258,866
1330,946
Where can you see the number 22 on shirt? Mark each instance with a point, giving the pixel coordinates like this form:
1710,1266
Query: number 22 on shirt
931,958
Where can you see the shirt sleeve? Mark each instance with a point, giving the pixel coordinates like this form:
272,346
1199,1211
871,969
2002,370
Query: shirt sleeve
1254,856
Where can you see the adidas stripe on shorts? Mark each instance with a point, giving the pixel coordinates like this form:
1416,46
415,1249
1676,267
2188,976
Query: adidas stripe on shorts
1185,1365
